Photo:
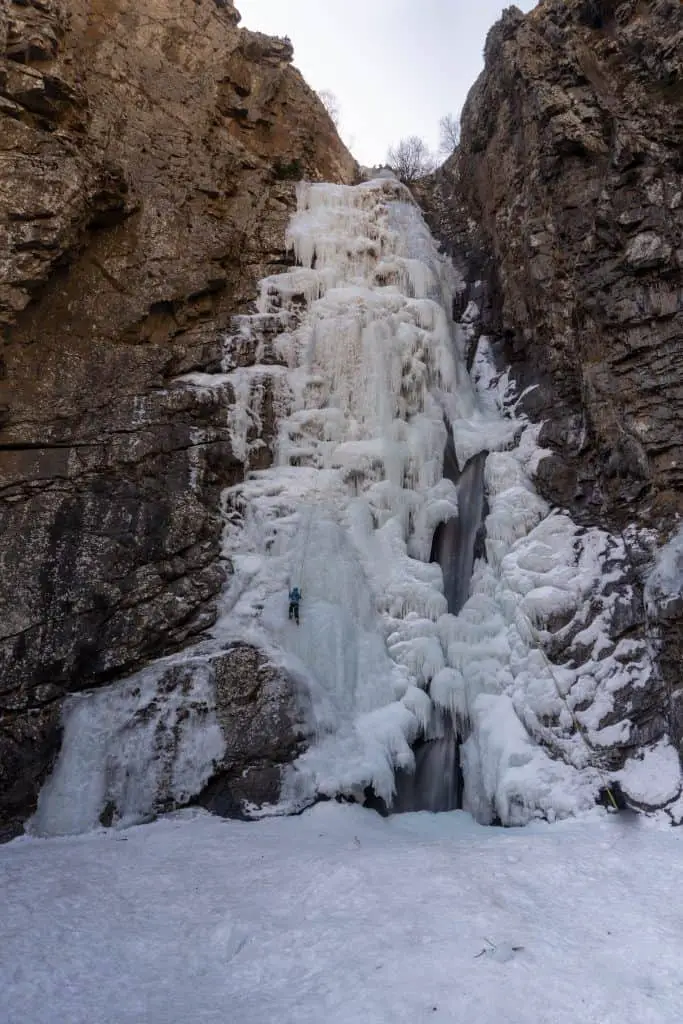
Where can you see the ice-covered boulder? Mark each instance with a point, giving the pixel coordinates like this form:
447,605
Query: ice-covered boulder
214,729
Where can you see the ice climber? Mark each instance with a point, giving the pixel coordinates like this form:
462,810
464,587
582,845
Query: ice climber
294,600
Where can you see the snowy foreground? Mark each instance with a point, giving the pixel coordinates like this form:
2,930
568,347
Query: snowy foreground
340,916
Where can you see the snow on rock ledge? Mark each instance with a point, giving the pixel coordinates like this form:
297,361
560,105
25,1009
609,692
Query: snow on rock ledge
652,779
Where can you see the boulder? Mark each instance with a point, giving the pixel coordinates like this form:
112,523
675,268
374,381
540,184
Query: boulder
210,727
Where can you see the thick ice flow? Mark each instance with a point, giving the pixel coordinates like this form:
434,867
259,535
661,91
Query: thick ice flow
132,750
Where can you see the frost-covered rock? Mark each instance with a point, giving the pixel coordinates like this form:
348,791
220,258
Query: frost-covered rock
647,250
653,777
261,712
214,728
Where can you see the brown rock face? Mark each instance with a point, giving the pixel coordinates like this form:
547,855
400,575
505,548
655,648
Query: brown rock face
570,166
148,153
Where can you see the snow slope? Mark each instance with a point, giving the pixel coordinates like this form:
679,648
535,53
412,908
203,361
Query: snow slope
365,378
341,917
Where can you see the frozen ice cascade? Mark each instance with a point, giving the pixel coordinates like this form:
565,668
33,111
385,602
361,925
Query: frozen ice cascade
418,620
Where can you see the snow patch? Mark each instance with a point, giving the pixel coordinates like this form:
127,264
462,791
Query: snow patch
652,778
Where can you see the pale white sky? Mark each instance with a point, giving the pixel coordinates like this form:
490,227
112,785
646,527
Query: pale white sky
396,66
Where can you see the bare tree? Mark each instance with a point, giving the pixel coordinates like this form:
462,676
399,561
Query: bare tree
411,159
449,134
331,105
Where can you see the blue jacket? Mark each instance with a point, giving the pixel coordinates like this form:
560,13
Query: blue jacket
295,595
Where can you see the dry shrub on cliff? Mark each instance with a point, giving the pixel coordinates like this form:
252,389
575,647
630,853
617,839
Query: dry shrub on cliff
331,105
449,134
411,159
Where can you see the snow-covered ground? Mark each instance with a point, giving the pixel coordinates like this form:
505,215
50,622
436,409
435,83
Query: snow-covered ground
341,917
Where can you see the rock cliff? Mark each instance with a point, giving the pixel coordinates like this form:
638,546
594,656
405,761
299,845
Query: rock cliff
148,153
564,206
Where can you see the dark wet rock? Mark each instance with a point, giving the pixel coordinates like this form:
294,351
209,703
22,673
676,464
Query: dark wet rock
259,710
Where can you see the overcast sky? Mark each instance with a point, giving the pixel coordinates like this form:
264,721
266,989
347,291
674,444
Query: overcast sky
396,66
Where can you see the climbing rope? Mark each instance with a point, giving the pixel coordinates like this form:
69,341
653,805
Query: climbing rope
577,724
298,579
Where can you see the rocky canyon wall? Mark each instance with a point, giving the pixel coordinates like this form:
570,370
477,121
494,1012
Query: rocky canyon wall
564,206
148,154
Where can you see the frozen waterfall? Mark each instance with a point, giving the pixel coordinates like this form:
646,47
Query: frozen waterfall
436,782
400,502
